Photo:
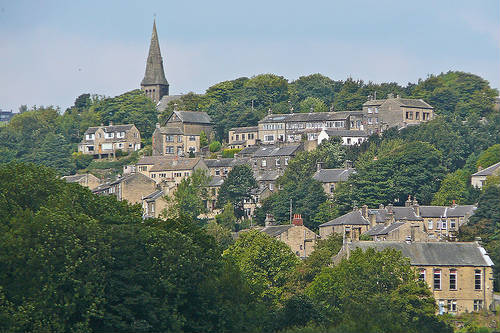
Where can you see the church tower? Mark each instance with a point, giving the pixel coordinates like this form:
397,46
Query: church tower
154,83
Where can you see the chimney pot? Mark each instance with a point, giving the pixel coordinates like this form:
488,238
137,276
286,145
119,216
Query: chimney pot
297,220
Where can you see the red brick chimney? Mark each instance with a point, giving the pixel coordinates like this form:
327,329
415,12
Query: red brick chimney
297,220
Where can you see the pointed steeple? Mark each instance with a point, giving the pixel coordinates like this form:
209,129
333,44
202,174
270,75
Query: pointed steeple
154,74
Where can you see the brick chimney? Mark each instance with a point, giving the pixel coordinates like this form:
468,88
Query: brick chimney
453,203
297,220
364,211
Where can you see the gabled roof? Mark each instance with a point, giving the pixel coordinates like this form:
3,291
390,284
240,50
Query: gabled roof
346,133
276,150
153,196
333,175
163,103
194,117
74,178
417,103
109,129
275,230
352,218
216,181
301,117
443,211
154,66
247,129
488,171
174,164
382,229
433,253
407,213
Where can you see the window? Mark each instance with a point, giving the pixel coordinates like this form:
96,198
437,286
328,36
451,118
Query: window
369,121
417,115
186,174
348,141
453,279
286,160
120,145
237,137
409,115
143,168
263,163
269,138
444,225
169,150
130,145
278,163
109,135
192,138
332,188
250,136
243,137
179,138
421,274
153,175
477,279
90,136
478,304
437,279
376,110
453,224
90,148
177,174
271,186
369,110
169,138
452,305
429,224
217,172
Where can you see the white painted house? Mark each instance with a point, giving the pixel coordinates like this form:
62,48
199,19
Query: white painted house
349,137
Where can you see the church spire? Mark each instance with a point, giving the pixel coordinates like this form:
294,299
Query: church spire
154,82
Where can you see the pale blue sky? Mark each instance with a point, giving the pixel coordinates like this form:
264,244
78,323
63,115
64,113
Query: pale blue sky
52,51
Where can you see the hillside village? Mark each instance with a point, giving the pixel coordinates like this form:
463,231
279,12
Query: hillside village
308,177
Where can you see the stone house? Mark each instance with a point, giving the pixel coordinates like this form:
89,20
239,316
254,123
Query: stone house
132,187
170,171
214,186
460,275
181,133
330,178
154,203
381,114
416,223
350,226
105,141
222,166
293,127
267,179
242,137
299,238
478,179
348,137
85,179
272,157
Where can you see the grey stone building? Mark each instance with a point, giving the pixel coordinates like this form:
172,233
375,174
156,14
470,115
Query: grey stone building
154,82
104,141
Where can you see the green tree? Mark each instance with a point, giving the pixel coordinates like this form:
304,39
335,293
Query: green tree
237,187
453,187
221,234
190,196
265,262
380,285
203,139
489,157
226,218
313,104
215,146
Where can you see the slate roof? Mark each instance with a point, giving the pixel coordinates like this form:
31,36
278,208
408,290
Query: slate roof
443,211
171,131
271,175
433,253
73,178
352,218
407,213
275,230
302,117
195,117
148,160
163,103
382,229
248,151
488,171
239,142
173,164
224,162
109,129
153,196
346,133
245,129
418,103
275,150
333,175
216,181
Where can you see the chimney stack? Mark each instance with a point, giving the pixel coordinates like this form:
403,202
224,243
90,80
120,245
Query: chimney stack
297,220
453,203
390,95
110,123
408,201
348,164
269,220
157,125
389,208
364,211
319,166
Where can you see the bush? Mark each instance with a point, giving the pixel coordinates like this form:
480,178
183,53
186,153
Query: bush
229,153
214,146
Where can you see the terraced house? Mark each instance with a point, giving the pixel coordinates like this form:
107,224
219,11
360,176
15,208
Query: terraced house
460,275
105,141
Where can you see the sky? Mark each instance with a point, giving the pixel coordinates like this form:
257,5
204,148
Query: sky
53,51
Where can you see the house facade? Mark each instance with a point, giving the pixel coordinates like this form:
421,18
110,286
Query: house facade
154,203
381,114
331,178
132,187
478,179
170,171
347,137
350,226
460,275
181,133
105,141
242,137
293,127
